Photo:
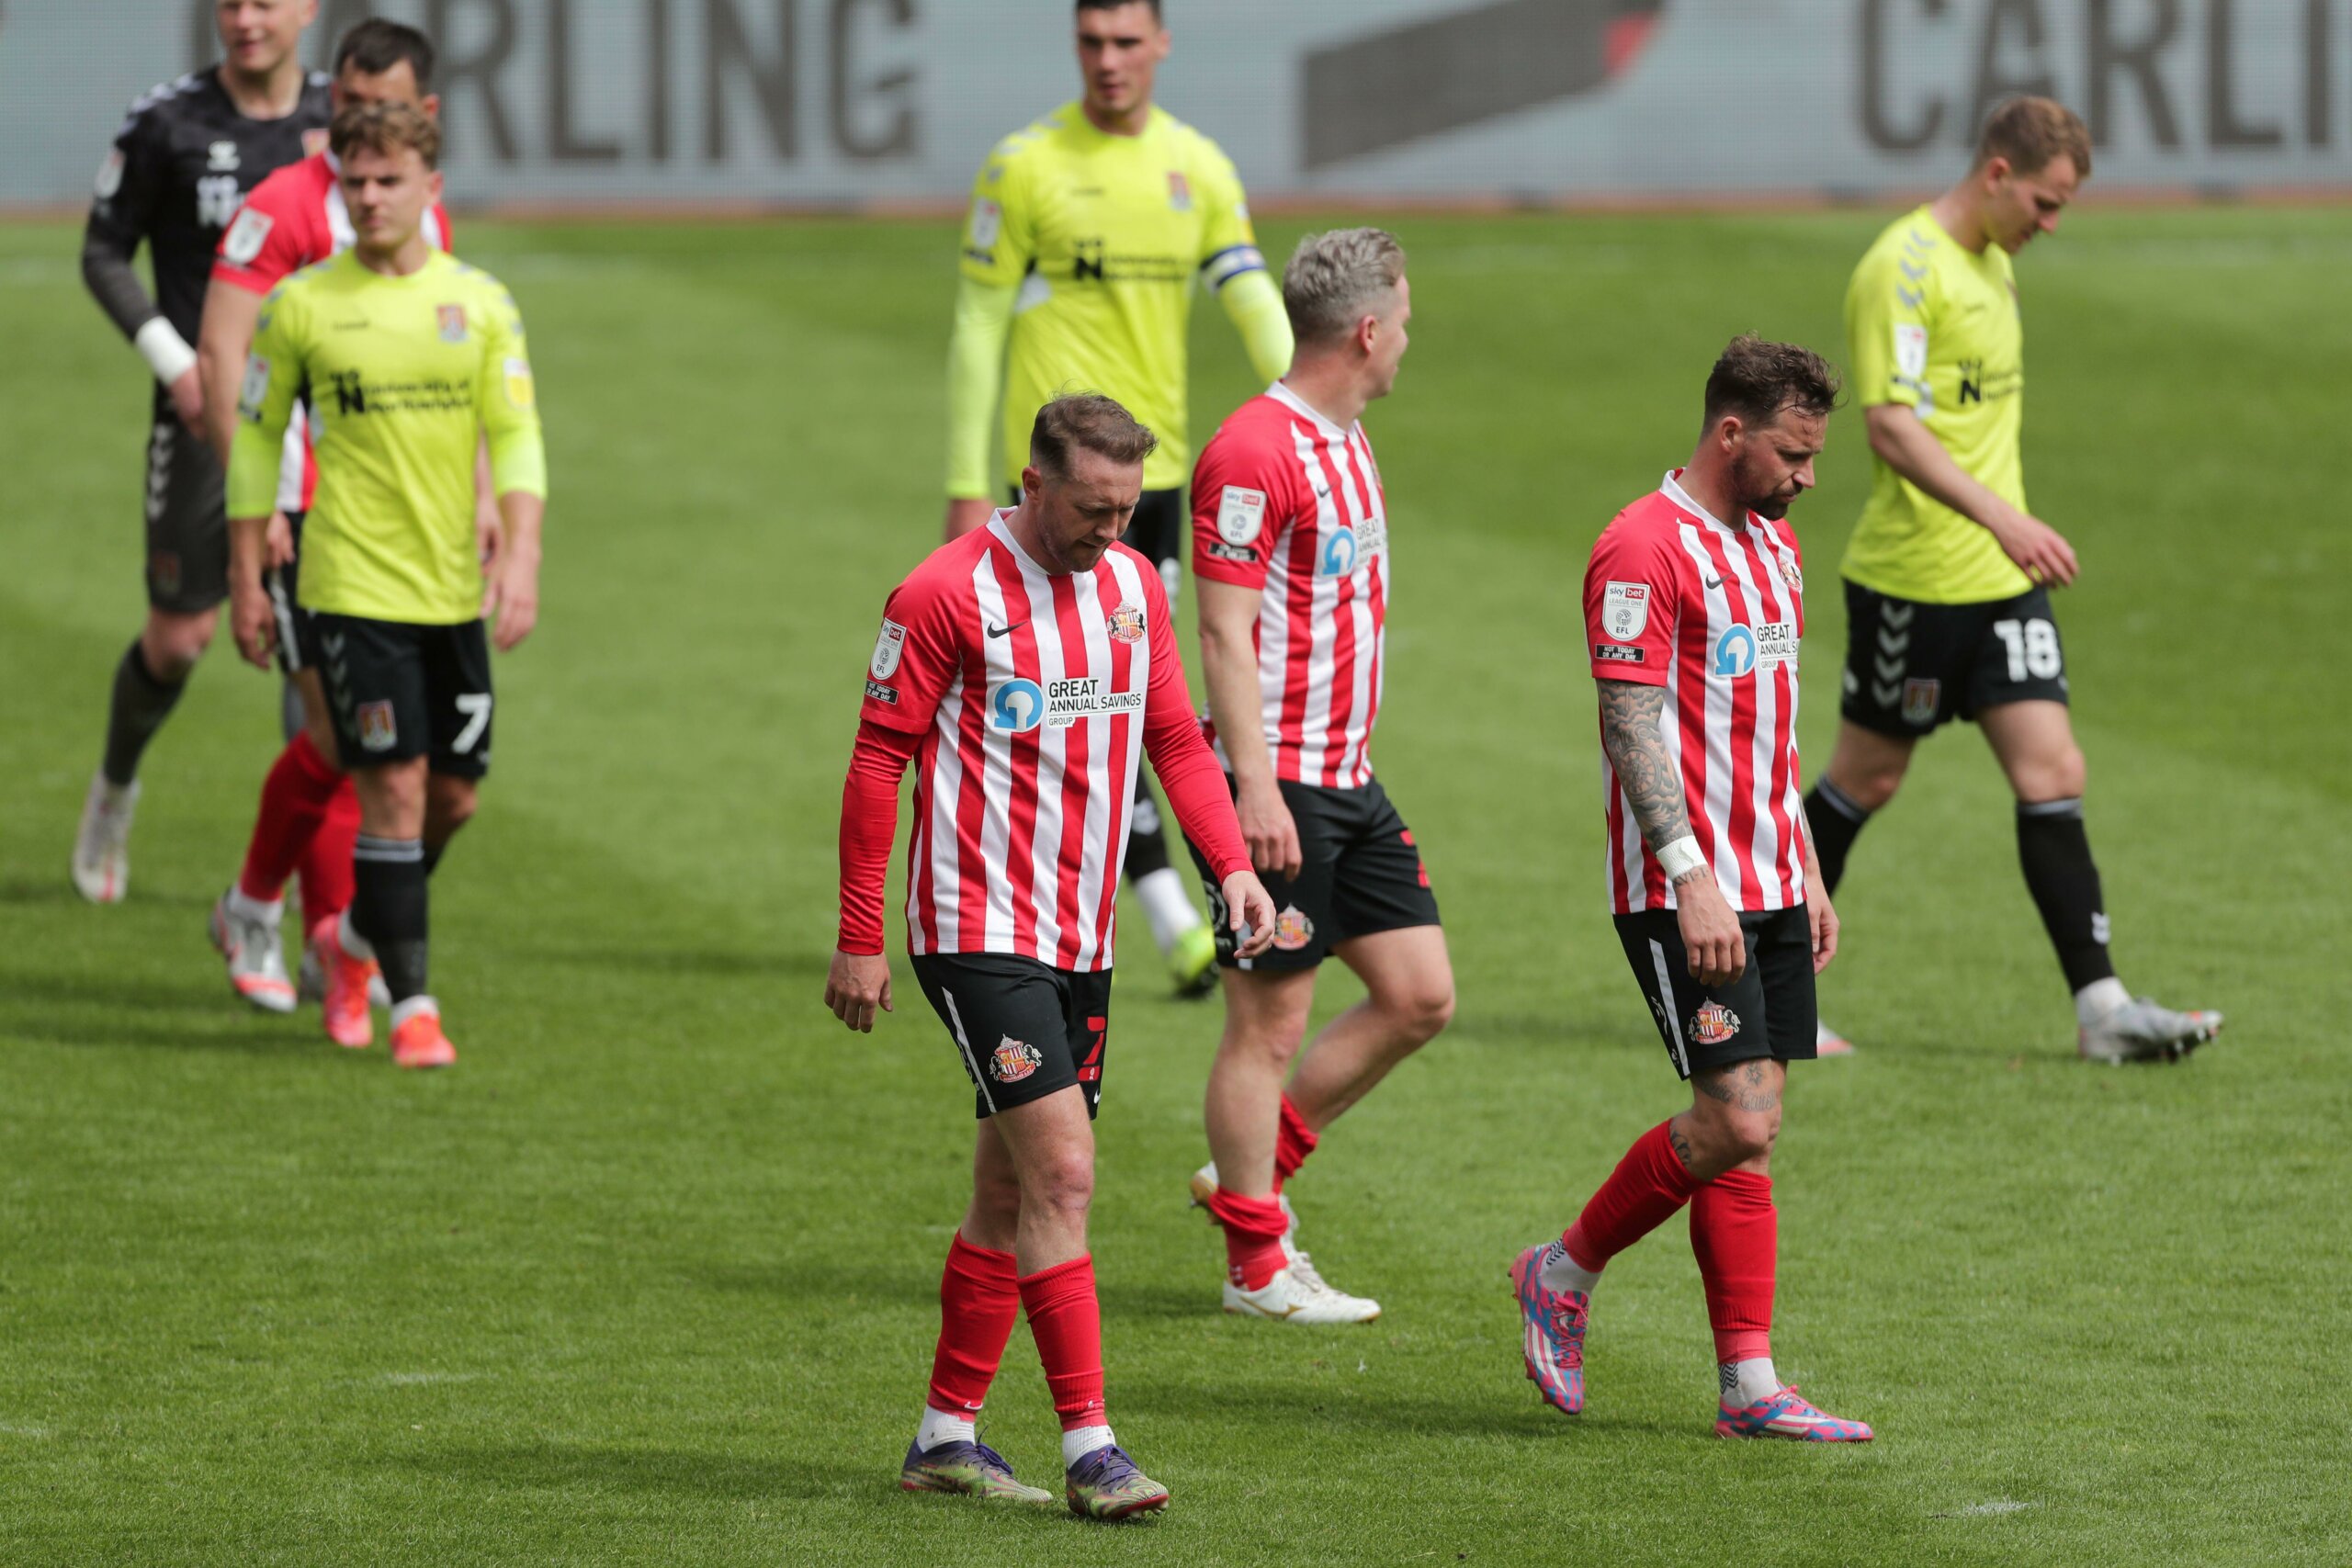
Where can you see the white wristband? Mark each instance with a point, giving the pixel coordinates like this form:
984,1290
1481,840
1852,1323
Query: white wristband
165,352
1681,858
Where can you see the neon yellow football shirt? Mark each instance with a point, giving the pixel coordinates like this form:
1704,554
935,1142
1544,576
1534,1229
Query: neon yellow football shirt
1105,233
404,377
1932,326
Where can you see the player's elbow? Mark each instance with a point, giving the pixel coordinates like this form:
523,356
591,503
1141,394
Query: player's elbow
1890,427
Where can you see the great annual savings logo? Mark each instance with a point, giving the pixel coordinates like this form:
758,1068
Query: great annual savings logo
1456,70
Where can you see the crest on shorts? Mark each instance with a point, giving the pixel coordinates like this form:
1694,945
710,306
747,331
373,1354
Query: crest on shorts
1292,930
1624,610
1013,1060
453,323
1713,1023
1126,623
377,730
1920,699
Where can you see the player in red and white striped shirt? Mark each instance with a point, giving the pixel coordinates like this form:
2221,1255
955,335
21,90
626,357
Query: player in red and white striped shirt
309,817
1693,605
1025,669
1289,548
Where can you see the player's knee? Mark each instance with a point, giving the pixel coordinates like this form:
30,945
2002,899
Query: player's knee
172,645
1063,1184
996,1201
1872,787
1422,1011
453,802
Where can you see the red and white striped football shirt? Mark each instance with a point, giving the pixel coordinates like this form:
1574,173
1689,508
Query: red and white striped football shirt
1034,696
1712,612
293,218
1287,502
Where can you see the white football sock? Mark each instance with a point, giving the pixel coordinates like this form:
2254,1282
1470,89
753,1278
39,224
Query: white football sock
1564,1273
347,937
941,1427
246,908
1079,1441
1745,1383
1167,906
2095,1001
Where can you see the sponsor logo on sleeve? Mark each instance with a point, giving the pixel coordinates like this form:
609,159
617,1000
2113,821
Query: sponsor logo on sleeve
1013,1060
521,392
1625,609
887,647
1618,652
1713,1024
876,692
1126,623
1910,351
111,175
254,389
1223,551
246,237
1241,515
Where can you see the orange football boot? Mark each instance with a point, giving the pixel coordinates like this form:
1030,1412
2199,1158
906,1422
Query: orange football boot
418,1043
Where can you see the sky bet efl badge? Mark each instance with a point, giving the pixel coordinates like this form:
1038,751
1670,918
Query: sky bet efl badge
1624,610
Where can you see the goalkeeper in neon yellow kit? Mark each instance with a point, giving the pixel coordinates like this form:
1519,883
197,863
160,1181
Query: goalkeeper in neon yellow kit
411,359
1086,232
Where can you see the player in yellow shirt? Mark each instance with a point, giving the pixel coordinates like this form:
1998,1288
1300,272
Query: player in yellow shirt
1087,232
1948,576
411,359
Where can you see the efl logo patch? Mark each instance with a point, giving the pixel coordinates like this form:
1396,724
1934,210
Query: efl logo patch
1241,515
1713,1023
243,244
1013,1060
1180,191
1292,930
110,176
1910,351
521,390
378,732
887,647
1919,701
1624,610
1126,623
988,222
453,323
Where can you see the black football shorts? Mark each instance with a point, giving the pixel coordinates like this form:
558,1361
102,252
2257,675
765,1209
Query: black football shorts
187,531
1023,1029
1359,873
400,691
298,646
1911,666
1768,1011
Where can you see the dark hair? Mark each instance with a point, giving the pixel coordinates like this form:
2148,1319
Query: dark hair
1758,380
375,46
386,128
1114,4
1091,420
2029,132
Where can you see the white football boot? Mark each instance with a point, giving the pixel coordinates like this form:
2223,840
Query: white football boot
1298,1268
1287,1298
2140,1030
256,961
1827,1042
102,847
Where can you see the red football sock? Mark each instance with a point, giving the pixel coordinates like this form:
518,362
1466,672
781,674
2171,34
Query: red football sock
327,874
294,800
1648,1185
979,1295
1293,1140
1735,1231
1067,1326
1253,1236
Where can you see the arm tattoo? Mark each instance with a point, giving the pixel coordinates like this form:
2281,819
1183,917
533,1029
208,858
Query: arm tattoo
1653,785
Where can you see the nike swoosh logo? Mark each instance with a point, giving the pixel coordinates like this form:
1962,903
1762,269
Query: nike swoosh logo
1004,631
1714,583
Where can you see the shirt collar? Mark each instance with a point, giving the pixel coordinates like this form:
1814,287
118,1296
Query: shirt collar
1671,487
1297,404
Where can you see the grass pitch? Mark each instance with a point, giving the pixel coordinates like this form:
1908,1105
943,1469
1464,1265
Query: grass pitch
651,1276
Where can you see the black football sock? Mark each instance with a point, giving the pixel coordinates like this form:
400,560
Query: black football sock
1836,822
139,704
1146,837
2064,880
389,908
433,853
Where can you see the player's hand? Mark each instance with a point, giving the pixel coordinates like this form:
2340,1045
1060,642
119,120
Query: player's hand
2040,550
187,401
514,598
1823,921
855,985
490,539
1268,829
1711,935
253,621
1251,911
966,513
277,541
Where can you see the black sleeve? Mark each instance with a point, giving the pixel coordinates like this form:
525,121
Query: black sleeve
130,189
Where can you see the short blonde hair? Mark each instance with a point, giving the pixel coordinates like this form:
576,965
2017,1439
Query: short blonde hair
2031,131
386,128
1332,278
